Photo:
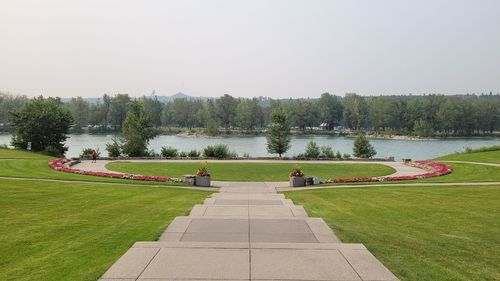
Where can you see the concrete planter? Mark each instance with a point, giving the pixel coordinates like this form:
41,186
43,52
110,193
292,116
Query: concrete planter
202,181
297,181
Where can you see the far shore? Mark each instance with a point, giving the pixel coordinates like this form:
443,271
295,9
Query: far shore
236,133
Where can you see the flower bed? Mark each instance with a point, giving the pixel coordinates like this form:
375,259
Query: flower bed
433,170
60,165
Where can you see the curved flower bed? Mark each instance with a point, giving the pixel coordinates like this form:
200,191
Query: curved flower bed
434,170
59,165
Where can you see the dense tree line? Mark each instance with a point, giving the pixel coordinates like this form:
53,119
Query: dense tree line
425,115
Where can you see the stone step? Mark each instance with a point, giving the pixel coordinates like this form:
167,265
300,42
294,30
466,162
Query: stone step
245,229
246,201
248,210
244,261
256,196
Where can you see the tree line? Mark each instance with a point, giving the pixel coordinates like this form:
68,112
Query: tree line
424,115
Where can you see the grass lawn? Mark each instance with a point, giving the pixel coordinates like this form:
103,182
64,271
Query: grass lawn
419,233
252,171
74,231
34,165
467,173
487,157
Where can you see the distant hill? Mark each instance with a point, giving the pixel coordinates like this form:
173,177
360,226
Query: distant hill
179,95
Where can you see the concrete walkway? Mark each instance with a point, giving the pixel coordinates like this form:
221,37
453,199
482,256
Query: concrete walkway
247,231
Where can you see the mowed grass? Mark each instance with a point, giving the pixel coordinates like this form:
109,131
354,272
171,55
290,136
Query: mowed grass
419,233
75,231
486,157
252,171
462,172
467,173
23,164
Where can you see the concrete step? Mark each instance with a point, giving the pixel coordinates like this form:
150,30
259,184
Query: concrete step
246,201
256,196
244,261
249,229
248,210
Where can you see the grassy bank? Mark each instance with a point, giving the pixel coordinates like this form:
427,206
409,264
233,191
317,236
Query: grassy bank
419,233
484,156
68,231
252,171
23,164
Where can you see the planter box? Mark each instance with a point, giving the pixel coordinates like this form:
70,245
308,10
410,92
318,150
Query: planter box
297,181
202,181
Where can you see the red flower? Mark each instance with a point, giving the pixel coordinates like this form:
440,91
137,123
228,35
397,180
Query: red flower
435,170
59,165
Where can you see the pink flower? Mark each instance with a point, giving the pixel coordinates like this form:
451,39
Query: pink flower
435,170
58,165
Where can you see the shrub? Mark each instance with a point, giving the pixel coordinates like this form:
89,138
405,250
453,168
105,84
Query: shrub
327,151
296,171
203,169
4,146
338,155
194,153
169,151
87,153
312,150
183,154
347,155
114,148
53,151
217,151
246,155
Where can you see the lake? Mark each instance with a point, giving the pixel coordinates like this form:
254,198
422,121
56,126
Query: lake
256,145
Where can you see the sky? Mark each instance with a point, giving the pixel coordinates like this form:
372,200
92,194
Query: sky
272,48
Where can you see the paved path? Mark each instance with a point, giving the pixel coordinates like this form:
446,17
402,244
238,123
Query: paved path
401,169
247,231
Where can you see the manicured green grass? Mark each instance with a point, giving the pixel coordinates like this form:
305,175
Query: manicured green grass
252,171
21,154
74,231
34,165
419,233
461,173
468,173
486,157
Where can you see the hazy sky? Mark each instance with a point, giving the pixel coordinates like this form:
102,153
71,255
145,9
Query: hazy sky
249,48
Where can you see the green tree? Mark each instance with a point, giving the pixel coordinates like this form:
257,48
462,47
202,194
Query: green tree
330,109
244,115
42,122
211,129
226,108
355,111
79,109
278,136
422,128
137,131
153,108
362,147
118,110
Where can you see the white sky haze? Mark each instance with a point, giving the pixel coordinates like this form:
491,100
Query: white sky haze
270,48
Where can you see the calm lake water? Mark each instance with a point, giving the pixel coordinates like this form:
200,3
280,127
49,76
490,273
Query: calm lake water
256,146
